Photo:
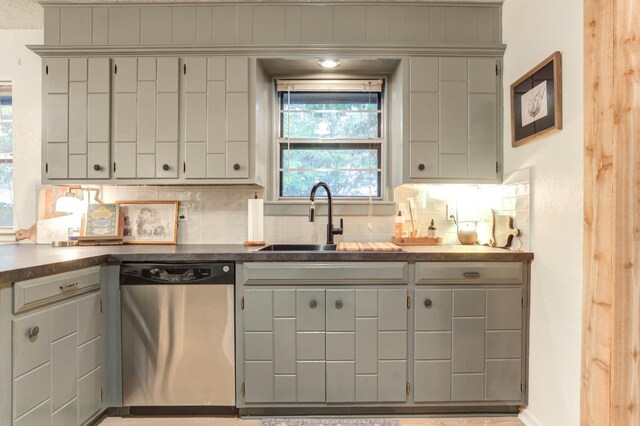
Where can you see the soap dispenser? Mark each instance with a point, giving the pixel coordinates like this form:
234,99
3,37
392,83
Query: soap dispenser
399,230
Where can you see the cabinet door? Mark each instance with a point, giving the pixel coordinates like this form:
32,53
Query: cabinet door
454,118
216,117
77,114
146,118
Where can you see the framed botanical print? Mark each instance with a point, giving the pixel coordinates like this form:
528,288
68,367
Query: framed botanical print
536,102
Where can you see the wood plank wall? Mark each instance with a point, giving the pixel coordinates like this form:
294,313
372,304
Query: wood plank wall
611,315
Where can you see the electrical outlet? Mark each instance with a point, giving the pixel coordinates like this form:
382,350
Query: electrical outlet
183,213
451,211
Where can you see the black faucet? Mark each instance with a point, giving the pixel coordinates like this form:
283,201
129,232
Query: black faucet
331,231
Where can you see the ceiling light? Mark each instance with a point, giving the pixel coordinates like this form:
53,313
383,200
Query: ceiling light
329,63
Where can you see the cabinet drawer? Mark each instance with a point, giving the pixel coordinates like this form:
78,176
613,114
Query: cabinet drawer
469,273
301,273
37,292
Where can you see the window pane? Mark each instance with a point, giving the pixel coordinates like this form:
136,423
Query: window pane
6,197
351,170
6,150
6,121
342,184
329,157
330,115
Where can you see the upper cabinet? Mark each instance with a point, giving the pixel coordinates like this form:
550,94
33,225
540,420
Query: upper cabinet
166,93
146,118
216,117
453,121
76,118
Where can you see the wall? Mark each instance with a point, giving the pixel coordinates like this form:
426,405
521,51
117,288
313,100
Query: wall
533,31
21,67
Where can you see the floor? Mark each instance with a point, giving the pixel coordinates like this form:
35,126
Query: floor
230,421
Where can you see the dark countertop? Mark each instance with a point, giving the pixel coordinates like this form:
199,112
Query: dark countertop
24,261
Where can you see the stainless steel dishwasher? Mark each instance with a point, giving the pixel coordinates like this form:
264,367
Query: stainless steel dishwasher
178,334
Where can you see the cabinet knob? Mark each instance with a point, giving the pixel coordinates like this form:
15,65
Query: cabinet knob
421,167
313,303
236,166
165,167
471,275
33,332
428,303
339,304
97,167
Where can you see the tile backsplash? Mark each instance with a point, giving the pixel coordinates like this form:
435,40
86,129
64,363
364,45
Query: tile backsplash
218,214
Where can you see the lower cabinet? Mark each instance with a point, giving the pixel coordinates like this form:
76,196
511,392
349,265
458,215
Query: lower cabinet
449,337
58,362
325,345
468,344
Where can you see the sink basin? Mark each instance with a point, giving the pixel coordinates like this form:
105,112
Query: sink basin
299,247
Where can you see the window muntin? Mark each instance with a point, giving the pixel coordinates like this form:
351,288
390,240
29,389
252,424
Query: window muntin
6,157
330,136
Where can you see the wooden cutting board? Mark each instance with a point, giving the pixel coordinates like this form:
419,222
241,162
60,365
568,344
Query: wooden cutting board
368,247
503,230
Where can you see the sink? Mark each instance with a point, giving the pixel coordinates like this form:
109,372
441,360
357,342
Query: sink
299,247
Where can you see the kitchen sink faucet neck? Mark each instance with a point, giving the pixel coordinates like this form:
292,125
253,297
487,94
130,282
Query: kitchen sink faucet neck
331,231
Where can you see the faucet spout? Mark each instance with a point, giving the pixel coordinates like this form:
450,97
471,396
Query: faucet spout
331,231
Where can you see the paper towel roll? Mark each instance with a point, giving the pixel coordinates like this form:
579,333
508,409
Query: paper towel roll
256,219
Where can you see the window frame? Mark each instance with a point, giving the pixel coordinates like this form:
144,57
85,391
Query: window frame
278,141
9,159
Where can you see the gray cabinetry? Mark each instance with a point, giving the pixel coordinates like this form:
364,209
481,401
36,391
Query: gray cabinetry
323,344
468,341
453,119
58,351
146,118
76,118
216,117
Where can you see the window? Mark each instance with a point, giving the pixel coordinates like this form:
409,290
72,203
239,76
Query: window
330,131
6,157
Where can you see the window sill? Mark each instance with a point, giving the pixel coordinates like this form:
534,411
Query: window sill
340,208
7,236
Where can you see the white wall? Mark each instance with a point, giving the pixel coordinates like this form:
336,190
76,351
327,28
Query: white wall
532,31
22,68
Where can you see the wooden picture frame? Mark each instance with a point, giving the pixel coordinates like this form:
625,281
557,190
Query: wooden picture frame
149,221
536,102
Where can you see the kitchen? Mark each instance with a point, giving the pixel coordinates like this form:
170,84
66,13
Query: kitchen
555,206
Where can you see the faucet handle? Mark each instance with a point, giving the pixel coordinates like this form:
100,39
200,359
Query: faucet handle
339,231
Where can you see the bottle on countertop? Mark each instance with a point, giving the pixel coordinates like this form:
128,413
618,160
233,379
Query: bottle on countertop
399,230
431,231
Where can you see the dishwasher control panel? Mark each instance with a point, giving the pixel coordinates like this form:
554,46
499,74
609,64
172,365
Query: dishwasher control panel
177,273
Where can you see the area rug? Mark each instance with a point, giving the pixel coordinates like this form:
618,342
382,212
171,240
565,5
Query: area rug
329,422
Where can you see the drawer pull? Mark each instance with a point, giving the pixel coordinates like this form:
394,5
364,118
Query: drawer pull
471,275
339,304
313,303
421,167
33,332
428,303
68,286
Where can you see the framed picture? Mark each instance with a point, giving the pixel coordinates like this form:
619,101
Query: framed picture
536,102
149,222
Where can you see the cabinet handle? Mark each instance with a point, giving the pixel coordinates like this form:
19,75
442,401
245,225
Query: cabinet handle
96,167
165,167
421,167
471,275
236,166
313,303
339,304
428,303
68,286
33,332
